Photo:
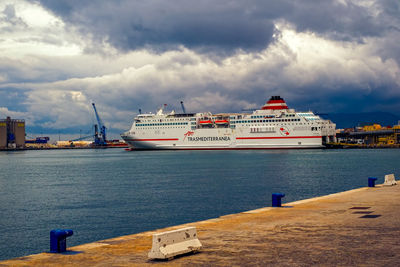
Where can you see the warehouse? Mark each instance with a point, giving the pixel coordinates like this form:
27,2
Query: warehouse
12,134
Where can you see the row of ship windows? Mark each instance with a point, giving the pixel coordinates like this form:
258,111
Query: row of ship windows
258,121
255,125
263,116
278,124
161,120
163,128
162,124
245,125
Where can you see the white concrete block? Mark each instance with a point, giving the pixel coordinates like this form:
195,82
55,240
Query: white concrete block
166,245
389,179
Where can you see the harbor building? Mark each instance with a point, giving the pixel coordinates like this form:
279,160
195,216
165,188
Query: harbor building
12,134
371,136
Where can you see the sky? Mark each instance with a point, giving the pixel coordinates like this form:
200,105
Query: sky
57,57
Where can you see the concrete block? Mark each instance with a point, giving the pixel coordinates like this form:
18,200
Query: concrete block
166,245
389,179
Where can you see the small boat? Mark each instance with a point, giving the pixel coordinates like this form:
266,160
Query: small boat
205,122
221,122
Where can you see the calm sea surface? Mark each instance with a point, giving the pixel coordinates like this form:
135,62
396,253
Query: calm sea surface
107,193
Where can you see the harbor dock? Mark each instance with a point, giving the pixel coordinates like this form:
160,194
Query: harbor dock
352,228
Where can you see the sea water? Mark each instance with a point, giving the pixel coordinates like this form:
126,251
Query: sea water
105,193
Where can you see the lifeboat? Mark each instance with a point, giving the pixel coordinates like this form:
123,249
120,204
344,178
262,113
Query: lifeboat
205,122
221,122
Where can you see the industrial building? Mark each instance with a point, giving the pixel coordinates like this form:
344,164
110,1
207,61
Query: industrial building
12,134
371,136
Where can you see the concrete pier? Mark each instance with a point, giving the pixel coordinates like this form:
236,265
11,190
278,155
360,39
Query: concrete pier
353,228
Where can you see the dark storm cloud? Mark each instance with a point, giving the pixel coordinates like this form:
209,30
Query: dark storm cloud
246,25
163,25
346,22
218,56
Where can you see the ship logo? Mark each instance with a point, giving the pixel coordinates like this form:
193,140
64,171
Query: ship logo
284,131
188,133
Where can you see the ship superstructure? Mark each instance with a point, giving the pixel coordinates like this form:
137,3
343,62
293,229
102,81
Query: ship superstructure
272,126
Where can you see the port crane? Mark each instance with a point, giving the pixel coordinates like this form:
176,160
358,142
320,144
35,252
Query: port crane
99,130
100,137
82,138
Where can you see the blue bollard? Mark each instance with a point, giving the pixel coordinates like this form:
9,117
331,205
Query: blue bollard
371,181
58,241
276,199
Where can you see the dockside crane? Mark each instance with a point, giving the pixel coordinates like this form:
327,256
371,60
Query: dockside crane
99,130
82,138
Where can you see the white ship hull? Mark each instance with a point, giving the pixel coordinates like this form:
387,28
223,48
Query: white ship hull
157,144
263,129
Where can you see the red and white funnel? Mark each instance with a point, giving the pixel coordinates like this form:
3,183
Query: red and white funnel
275,103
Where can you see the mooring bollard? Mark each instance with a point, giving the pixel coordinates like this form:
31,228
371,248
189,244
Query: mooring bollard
371,181
276,199
58,241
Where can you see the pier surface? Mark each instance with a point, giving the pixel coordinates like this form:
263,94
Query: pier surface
353,228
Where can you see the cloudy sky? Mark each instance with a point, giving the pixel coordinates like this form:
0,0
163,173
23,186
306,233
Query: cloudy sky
331,56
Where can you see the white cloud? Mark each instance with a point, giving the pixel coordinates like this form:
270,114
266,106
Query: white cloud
34,15
314,59
28,29
295,60
5,112
48,61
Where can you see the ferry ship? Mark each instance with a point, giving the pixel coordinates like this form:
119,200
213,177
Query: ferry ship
274,126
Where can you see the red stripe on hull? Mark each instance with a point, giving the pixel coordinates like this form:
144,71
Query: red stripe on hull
231,148
279,137
167,139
